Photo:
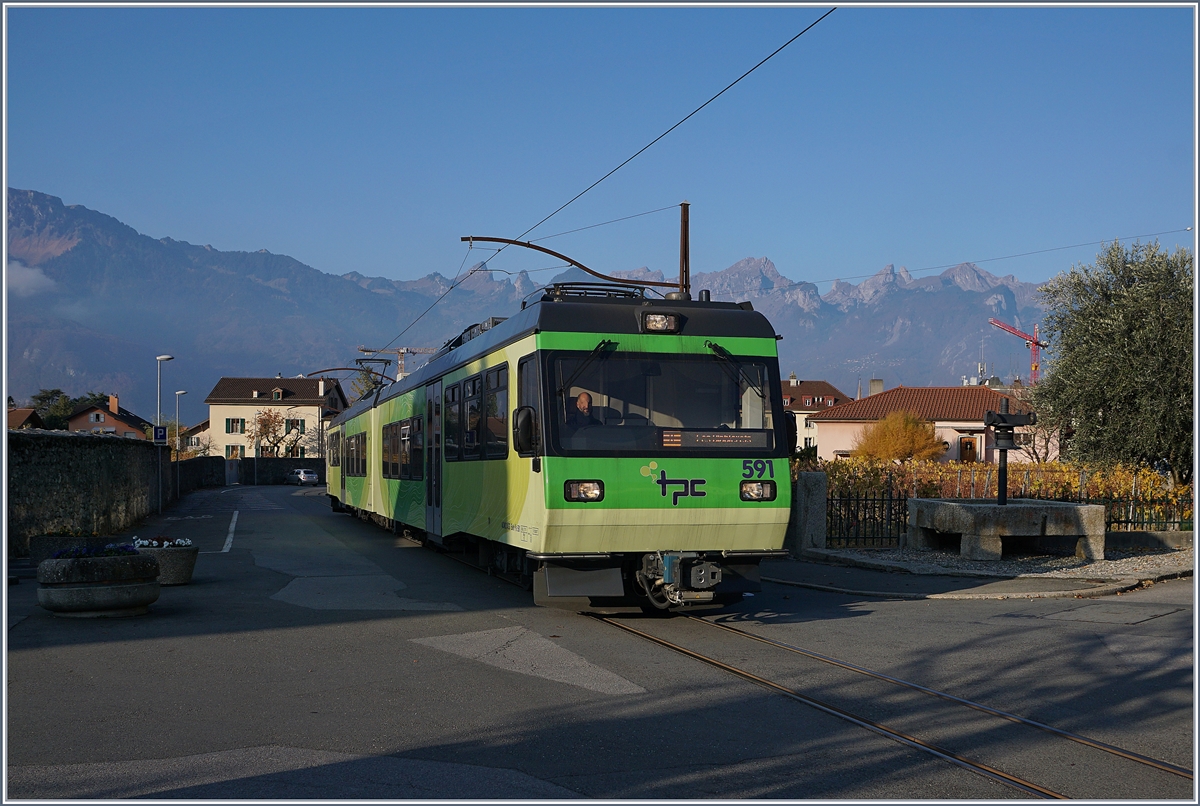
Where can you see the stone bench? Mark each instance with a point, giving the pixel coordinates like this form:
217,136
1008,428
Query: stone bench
982,526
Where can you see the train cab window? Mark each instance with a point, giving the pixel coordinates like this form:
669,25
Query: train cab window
470,424
495,408
404,449
529,392
701,404
416,461
451,424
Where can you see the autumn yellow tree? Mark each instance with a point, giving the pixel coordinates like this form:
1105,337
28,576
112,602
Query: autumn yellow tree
900,435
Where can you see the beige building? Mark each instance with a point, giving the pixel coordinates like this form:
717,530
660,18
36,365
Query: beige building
957,414
806,398
301,407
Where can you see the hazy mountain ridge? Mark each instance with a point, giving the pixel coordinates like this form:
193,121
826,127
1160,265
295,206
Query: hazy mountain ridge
91,302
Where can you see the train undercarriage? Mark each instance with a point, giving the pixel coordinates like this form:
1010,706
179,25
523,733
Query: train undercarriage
656,582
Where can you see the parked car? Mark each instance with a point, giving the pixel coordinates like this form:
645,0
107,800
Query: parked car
302,476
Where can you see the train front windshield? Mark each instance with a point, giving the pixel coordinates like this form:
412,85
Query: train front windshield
610,403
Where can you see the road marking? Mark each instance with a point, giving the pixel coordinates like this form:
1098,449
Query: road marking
523,651
229,537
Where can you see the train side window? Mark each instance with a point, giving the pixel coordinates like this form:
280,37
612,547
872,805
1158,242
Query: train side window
470,435
404,449
528,393
394,438
495,409
386,453
417,449
334,450
450,426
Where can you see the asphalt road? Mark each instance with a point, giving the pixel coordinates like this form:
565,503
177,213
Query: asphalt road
319,657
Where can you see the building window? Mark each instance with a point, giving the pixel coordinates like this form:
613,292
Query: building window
130,435
808,401
234,451
809,442
829,402
235,425
277,395
96,417
193,442
293,425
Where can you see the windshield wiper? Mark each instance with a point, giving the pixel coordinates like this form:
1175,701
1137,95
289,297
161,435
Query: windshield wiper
723,354
605,347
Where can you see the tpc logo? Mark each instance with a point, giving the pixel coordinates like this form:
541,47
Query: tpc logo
688,487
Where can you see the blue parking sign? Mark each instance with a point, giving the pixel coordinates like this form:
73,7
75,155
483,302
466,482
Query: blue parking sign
160,435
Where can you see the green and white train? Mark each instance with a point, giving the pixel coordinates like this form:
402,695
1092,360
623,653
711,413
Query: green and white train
667,493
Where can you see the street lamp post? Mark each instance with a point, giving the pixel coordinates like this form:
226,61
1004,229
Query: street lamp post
177,438
158,421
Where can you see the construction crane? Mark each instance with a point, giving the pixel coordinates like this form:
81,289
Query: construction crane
400,353
1032,342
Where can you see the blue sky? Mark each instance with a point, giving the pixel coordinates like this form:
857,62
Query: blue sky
371,139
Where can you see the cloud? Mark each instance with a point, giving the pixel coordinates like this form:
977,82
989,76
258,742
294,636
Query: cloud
23,281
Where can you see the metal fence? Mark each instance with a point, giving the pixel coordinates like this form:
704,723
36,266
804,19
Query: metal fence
866,521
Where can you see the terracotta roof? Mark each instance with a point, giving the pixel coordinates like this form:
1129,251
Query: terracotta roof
295,391
123,414
933,403
24,418
814,390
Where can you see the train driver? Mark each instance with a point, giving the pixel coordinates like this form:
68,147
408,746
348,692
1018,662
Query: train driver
581,415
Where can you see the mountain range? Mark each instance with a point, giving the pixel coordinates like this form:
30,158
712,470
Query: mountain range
91,302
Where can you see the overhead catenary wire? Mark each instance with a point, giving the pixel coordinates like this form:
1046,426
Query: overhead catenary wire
613,171
581,193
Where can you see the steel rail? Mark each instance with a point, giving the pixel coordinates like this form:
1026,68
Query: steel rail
1084,740
976,767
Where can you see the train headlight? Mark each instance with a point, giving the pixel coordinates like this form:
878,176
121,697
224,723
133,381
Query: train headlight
585,491
758,491
662,322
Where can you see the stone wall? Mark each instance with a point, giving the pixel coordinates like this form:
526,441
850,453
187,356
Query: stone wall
65,483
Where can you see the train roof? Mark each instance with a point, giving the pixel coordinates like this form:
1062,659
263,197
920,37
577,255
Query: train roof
579,313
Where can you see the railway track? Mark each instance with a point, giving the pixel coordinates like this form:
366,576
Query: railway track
909,739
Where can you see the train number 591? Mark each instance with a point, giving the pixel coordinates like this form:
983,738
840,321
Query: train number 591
757,468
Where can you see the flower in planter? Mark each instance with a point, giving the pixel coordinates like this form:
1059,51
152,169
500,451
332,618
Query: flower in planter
80,552
161,542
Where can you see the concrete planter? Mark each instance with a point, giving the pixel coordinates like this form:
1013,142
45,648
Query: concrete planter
175,563
90,587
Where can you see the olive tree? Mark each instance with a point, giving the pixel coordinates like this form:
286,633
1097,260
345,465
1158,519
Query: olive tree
1120,370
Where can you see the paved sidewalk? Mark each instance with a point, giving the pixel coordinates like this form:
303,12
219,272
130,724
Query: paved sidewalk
894,574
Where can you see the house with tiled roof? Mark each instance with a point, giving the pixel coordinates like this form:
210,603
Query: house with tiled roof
94,418
957,414
305,405
806,398
24,418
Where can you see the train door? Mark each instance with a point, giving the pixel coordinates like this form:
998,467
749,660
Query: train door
433,460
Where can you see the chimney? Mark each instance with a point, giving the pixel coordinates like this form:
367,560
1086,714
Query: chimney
875,386
113,405
254,393
321,388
